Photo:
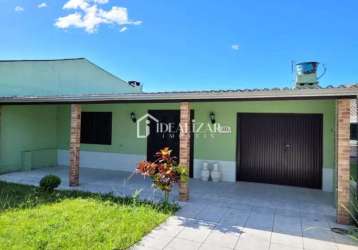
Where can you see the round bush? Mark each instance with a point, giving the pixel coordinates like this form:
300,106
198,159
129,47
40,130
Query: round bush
50,182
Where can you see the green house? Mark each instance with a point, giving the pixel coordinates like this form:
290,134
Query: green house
73,113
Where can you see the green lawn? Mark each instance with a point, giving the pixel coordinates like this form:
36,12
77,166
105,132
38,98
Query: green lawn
31,219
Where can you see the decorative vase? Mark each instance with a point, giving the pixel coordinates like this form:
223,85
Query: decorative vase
216,173
205,173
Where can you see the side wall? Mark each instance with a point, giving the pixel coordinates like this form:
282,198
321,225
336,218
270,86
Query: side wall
126,149
28,137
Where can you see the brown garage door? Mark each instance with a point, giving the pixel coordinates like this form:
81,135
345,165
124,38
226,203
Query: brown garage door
280,149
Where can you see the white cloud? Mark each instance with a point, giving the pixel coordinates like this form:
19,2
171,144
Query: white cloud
118,15
42,5
19,9
235,46
82,4
101,1
75,4
89,16
74,19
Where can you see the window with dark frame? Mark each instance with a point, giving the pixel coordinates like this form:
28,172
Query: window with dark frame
354,131
96,128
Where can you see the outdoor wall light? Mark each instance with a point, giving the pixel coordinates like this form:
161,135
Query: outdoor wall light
212,117
133,117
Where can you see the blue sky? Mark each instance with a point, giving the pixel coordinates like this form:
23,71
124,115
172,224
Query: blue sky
186,44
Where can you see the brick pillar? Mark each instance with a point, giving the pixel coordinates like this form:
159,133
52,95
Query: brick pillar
74,173
184,146
343,158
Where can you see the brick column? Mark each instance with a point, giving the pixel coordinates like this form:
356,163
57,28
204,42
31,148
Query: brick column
184,146
343,158
74,173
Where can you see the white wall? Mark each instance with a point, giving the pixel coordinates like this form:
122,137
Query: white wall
128,162
228,169
327,179
102,160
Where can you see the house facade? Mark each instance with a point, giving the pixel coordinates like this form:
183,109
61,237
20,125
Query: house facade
297,137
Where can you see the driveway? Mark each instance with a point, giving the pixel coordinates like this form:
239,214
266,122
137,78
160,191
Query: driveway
222,215
251,216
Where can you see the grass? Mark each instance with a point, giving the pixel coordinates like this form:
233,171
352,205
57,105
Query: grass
31,219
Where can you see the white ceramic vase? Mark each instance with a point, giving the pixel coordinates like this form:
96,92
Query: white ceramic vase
205,173
216,173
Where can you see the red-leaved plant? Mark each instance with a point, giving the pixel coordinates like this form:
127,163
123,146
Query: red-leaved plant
164,171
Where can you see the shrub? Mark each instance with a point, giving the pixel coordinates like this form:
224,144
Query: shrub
164,171
50,182
352,210
183,172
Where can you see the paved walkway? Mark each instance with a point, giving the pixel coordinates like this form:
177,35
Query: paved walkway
223,215
251,216
244,227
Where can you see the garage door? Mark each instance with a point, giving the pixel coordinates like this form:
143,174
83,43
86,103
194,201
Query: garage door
280,149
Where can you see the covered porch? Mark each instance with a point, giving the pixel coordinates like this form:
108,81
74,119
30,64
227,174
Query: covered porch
342,162
64,147
293,201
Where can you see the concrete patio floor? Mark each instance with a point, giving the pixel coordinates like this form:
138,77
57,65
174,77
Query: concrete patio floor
222,215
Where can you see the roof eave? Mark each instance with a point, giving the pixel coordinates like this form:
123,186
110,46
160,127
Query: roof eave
190,96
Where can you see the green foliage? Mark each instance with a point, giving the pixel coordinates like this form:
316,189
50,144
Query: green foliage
162,171
353,212
32,219
50,182
183,172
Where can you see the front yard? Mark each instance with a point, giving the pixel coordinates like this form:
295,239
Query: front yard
31,219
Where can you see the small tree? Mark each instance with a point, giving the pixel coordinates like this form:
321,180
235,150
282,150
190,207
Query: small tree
164,171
